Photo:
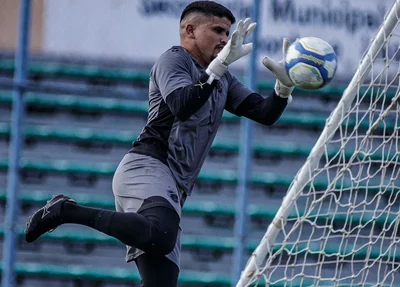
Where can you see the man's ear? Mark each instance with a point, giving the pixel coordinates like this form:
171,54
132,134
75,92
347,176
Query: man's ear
190,31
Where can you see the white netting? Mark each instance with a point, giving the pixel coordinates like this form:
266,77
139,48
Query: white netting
343,224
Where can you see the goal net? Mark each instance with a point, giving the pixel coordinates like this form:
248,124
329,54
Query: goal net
338,224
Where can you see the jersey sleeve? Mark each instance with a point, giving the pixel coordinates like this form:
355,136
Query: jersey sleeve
171,71
237,93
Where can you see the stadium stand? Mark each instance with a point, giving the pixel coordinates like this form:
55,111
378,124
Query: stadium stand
72,146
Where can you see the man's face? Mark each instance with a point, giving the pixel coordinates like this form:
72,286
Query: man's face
211,36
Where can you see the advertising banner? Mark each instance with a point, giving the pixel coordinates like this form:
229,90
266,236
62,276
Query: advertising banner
141,30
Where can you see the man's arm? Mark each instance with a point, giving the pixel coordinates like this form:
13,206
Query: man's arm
243,101
172,76
186,101
265,111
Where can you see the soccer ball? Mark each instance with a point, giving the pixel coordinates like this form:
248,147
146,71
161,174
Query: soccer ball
310,63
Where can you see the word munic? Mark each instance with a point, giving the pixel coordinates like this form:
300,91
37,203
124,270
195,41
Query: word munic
325,13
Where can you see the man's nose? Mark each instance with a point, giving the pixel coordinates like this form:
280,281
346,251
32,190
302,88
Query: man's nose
224,40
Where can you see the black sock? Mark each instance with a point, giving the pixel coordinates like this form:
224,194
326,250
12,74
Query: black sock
74,213
130,228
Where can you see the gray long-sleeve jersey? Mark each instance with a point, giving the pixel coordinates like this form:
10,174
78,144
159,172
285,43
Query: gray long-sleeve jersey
183,144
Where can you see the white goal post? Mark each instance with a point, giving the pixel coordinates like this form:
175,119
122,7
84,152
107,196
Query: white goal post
346,233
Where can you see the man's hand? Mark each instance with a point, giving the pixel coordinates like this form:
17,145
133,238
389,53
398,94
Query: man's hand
233,50
283,86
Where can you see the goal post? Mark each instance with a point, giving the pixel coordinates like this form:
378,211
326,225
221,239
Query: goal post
345,234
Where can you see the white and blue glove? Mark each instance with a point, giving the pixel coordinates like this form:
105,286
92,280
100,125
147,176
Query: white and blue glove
233,50
283,85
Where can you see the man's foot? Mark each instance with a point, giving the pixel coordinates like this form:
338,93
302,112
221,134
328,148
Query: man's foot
46,219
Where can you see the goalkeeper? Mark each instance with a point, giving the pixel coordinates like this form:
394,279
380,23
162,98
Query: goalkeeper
190,87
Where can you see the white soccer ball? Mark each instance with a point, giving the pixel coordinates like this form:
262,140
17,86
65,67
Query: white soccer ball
310,63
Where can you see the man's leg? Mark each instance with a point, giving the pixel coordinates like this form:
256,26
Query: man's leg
154,229
157,271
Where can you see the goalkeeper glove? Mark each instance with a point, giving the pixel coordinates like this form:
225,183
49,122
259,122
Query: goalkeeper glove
283,85
233,50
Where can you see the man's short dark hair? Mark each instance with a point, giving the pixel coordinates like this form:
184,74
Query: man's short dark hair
208,8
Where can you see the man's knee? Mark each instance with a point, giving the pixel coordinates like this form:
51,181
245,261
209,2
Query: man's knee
164,222
165,231
161,242
165,243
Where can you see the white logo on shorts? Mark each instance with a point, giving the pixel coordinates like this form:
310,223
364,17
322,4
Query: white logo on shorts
173,194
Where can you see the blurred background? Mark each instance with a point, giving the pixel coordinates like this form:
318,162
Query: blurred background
80,96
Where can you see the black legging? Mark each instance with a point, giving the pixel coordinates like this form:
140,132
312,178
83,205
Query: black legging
157,271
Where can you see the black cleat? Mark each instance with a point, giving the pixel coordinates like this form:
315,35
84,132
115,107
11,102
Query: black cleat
46,219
